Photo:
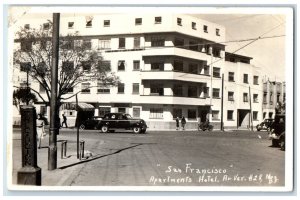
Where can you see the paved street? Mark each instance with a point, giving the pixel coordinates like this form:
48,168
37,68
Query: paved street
163,158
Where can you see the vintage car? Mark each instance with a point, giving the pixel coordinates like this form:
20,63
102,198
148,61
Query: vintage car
113,121
265,125
91,123
277,134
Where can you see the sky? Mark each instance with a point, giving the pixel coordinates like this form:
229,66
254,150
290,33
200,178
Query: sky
268,54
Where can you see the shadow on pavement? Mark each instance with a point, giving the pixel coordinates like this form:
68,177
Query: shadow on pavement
97,157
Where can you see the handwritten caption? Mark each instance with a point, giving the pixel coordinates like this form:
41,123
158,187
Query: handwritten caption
191,174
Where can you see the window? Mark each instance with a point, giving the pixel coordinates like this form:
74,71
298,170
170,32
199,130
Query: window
229,114
121,65
179,42
230,96
245,80
87,44
216,93
138,21
135,88
177,112
215,115
205,28
217,32
102,89
136,112
158,66
46,26
255,98
231,76
245,97
27,26
194,26
255,80
157,20
265,98
191,114
192,91
103,111
264,115
193,46
255,115
25,66
42,89
216,72
121,110
156,113
121,43
106,23
104,65
86,66
216,52
206,69
104,44
137,43
157,41
89,22
85,88
179,21
271,98
156,89
121,88
70,25
136,65
193,68
26,45
177,90
178,66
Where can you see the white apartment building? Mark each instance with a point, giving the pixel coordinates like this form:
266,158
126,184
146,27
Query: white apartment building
170,65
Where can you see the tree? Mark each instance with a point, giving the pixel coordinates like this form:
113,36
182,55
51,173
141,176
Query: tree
78,61
21,96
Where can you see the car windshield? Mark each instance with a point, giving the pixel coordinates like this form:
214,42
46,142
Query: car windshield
128,116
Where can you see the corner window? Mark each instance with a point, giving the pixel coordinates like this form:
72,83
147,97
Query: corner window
216,93
157,20
230,96
231,76
106,23
216,72
179,21
70,25
138,21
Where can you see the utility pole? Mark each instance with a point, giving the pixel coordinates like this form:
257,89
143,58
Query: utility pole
251,119
222,98
52,150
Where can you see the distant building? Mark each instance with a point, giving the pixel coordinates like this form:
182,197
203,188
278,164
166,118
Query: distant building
170,65
273,96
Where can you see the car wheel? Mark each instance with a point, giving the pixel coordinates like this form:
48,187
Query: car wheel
82,126
136,129
104,129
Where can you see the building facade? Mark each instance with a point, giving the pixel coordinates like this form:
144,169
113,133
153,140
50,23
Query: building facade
170,65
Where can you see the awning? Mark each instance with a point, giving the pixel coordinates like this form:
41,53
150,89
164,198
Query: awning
85,107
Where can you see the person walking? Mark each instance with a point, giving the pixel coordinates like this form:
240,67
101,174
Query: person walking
183,122
40,130
177,123
64,121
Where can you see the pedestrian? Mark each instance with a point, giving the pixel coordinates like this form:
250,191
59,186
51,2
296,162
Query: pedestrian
64,121
183,122
40,130
177,123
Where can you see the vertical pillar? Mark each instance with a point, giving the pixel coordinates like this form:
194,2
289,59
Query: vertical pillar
30,173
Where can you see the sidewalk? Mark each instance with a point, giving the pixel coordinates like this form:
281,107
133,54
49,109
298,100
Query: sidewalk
68,167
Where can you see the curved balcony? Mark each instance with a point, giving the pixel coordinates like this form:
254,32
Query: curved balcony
152,99
173,75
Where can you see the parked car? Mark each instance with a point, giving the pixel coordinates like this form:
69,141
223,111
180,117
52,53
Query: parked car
113,121
265,125
277,134
91,123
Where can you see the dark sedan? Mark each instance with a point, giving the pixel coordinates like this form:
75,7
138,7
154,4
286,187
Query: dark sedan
91,123
265,125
